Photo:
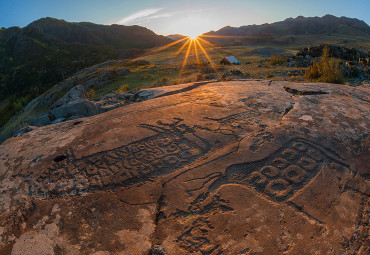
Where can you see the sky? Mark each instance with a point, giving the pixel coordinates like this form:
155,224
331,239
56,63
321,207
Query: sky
187,17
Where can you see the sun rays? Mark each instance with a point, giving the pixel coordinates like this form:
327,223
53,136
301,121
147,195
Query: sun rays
190,51
195,47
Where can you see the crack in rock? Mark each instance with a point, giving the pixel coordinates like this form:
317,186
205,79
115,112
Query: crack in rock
303,93
289,108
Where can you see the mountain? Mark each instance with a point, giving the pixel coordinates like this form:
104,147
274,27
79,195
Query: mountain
117,36
176,37
36,57
285,31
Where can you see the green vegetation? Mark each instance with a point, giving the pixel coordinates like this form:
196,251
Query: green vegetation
11,107
35,58
91,93
162,82
122,89
327,70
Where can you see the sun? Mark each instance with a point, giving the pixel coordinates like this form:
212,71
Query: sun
193,36
192,25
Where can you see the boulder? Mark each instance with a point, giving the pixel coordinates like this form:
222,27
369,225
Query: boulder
42,120
239,167
73,103
24,130
335,51
75,93
146,94
75,107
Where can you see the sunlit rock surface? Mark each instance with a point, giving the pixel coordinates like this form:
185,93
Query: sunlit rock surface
242,167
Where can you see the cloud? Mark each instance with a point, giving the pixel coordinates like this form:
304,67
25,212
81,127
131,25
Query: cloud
140,16
158,16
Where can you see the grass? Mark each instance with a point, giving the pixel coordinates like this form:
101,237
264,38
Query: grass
91,93
327,70
122,89
143,77
20,120
277,60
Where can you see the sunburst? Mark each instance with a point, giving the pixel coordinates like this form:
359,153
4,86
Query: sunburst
193,46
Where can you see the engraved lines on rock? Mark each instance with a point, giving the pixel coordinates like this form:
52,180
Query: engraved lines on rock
238,124
174,146
195,236
280,176
230,125
283,173
360,239
240,121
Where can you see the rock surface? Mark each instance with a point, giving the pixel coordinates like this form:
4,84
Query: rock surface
242,167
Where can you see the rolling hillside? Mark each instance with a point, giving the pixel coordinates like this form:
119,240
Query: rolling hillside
36,57
293,30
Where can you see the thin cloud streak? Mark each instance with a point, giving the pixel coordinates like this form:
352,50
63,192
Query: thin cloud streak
138,16
147,15
158,16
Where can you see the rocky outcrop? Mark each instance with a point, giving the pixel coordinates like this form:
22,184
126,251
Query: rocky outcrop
259,167
336,52
73,104
355,64
37,112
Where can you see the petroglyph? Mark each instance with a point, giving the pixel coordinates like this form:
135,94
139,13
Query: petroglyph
283,173
227,179
235,123
259,138
195,236
174,146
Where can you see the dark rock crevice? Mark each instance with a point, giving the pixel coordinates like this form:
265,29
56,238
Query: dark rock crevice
289,108
296,92
189,88
156,246
359,98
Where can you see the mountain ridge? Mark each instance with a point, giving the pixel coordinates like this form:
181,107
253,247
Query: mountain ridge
48,50
310,23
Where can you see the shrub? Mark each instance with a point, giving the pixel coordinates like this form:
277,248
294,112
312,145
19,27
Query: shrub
147,76
327,70
162,82
91,93
122,89
207,68
200,77
277,60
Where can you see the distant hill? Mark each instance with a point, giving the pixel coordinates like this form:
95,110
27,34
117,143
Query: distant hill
36,57
284,32
176,37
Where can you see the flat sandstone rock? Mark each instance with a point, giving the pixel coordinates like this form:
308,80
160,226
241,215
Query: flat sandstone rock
240,167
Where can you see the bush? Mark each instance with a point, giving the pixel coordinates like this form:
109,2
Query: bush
277,60
162,82
327,70
91,93
122,89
